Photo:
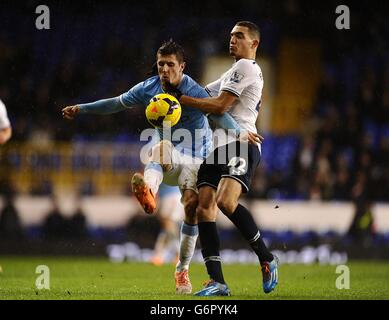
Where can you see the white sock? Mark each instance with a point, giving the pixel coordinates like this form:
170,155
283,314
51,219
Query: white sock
188,238
153,175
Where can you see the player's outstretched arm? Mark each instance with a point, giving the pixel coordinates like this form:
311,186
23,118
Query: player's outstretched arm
217,108
216,105
105,106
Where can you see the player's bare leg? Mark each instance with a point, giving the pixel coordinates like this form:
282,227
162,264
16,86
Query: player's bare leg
188,238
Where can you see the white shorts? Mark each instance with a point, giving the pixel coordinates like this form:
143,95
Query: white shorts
184,172
171,207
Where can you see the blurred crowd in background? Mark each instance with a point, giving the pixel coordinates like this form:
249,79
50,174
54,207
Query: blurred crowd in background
99,50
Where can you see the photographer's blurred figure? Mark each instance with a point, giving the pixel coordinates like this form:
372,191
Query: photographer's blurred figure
362,227
10,225
5,125
170,214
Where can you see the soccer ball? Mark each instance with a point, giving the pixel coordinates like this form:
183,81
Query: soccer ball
163,110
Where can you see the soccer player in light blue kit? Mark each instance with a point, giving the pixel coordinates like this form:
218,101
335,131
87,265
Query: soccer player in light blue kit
172,161
170,213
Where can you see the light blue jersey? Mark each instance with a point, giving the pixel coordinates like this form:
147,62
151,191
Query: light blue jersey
199,143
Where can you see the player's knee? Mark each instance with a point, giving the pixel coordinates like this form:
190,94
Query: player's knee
166,144
162,153
226,205
205,213
163,148
190,206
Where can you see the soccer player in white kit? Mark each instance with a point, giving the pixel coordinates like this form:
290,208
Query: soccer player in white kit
227,171
5,125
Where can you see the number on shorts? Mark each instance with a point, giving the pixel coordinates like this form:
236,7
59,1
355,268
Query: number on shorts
237,166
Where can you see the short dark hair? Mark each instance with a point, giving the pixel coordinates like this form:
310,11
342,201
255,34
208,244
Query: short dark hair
253,28
171,47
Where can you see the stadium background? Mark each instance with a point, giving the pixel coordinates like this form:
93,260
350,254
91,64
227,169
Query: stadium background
323,181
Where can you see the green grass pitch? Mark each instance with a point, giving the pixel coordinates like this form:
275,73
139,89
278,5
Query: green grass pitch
97,278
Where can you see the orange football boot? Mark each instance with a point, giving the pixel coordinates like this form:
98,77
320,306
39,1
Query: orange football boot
143,193
183,285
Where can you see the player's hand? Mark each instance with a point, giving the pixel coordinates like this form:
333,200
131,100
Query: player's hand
70,112
173,91
251,137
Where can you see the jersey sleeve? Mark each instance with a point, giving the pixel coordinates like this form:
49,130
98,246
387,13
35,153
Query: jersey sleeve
241,76
134,96
4,121
213,88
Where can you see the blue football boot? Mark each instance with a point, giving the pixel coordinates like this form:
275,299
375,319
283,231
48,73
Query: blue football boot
213,288
270,275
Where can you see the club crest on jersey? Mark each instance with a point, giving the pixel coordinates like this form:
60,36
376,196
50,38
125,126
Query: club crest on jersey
236,77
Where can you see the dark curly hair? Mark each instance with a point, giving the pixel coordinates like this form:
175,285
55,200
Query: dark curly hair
171,47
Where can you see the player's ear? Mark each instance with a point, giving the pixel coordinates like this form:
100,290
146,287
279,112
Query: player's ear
255,44
183,65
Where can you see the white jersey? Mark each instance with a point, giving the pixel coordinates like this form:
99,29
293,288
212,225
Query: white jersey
4,121
244,79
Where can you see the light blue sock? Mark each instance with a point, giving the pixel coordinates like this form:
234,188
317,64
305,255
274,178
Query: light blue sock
153,175
188,238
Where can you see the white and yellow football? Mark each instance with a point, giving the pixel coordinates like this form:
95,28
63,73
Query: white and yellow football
163,110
